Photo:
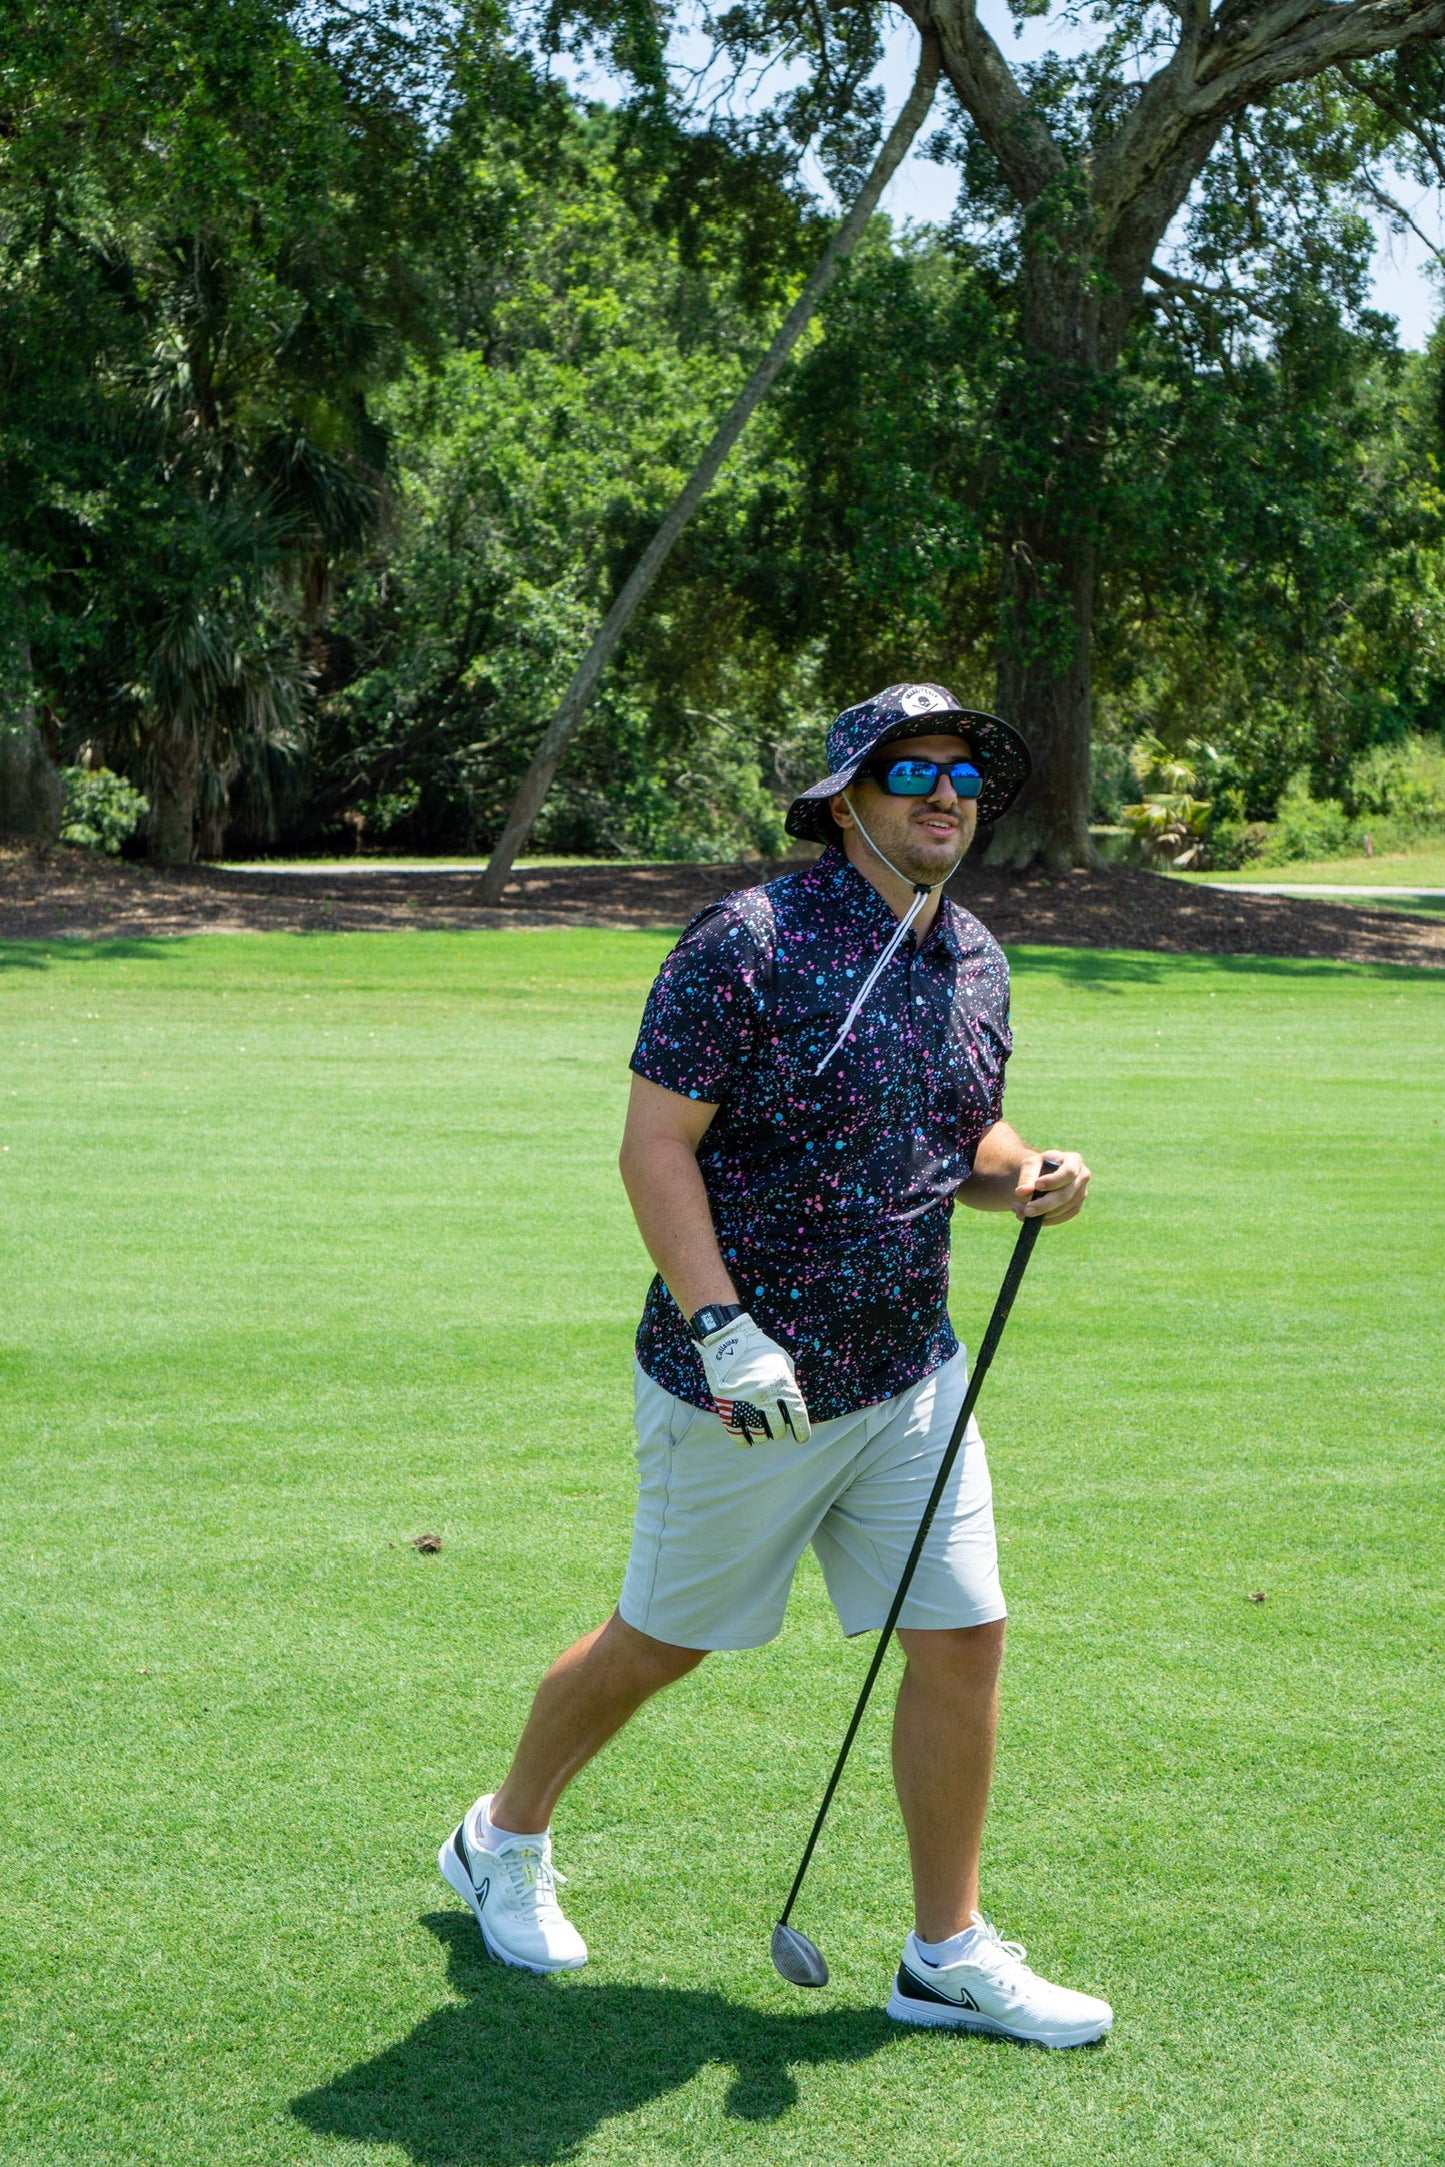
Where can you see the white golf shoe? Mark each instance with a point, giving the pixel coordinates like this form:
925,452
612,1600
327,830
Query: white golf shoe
991,1989
511,1886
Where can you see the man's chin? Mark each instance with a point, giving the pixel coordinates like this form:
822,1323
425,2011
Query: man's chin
930,865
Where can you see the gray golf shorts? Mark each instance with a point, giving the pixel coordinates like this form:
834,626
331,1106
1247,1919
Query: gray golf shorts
720,1526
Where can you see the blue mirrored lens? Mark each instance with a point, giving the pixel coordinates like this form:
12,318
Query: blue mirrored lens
919,778
911,778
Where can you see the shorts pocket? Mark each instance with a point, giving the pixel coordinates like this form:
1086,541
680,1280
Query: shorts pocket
691,1425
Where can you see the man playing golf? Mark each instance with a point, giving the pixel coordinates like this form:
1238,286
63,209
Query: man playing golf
819,1074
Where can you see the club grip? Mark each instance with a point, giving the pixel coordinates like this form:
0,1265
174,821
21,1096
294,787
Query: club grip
1048,1165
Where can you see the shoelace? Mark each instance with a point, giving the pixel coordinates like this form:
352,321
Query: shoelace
529,1869
995,1943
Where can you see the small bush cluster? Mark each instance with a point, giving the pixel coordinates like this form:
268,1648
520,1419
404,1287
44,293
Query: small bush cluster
102,810
1394,796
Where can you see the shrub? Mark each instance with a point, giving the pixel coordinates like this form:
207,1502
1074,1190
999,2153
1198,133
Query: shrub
1309,827
1234,843
1403,785
102,810
1169,823
1111,778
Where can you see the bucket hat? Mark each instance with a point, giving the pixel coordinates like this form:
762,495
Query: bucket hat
911,711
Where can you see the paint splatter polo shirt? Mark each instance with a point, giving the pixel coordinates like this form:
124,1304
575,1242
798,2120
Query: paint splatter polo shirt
831,1195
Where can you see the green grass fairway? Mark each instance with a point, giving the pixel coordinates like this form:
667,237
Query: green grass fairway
1424,864
315,1242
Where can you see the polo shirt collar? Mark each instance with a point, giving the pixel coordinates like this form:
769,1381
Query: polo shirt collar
837,875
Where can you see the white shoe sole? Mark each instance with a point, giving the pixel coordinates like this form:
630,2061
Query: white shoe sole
454,1873
933,2014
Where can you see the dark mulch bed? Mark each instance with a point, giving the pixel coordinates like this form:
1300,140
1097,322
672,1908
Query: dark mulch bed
70,893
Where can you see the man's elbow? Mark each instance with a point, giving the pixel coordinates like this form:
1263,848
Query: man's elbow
642,1157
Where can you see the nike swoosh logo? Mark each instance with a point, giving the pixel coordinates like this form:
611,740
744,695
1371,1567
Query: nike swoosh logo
912,1988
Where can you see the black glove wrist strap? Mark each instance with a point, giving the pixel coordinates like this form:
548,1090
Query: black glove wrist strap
713,1316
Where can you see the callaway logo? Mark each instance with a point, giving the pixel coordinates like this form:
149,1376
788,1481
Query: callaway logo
482,1888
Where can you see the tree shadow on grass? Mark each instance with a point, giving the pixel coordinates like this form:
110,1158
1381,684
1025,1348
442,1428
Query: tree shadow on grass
1109,970
525,2069
41,952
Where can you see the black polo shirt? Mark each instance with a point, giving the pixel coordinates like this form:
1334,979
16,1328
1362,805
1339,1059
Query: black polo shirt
831,1195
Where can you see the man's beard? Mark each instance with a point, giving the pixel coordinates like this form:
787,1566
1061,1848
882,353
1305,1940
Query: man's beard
926,871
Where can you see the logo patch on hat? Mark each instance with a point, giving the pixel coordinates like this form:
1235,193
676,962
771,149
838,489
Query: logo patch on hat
919,700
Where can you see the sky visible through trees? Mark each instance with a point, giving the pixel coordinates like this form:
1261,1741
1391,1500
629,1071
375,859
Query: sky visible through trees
1405,271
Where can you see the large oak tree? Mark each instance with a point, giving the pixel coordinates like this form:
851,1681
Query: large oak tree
1088,160
1096,184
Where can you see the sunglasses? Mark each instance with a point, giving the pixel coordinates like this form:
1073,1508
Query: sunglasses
912,778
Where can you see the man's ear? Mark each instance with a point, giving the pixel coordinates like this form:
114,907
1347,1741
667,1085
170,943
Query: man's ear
841,810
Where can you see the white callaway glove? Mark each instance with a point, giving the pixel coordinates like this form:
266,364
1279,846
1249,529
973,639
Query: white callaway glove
752,1383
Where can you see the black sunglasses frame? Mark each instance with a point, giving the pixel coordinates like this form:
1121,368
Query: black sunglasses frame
879,770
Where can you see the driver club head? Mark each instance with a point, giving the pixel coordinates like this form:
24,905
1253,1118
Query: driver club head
797,1959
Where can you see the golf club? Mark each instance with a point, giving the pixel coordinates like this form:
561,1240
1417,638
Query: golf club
800,1961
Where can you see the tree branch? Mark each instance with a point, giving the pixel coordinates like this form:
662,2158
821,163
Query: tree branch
1248,53
1404,121
989,92
1387,203
1171,283
1294,39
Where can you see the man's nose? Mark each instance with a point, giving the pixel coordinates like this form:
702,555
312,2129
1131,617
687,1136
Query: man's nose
943,792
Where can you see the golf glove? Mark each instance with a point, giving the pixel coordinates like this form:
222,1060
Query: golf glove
752,1383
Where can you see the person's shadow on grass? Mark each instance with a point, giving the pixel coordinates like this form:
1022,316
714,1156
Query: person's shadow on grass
524,2069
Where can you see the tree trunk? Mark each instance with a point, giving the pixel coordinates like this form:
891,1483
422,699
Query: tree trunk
32,795
1052,427
1046,694
173,807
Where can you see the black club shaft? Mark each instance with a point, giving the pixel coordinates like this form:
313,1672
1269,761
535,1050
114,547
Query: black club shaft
1013,1278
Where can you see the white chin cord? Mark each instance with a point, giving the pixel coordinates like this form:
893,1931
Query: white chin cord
900,934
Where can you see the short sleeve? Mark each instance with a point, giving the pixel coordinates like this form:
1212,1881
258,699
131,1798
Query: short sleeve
703,1016
984,1021
1004,1043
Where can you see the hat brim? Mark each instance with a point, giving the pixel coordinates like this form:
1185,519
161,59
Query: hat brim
997,746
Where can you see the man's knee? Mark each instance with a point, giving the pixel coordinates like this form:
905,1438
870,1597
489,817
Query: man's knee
655,1663
964,1658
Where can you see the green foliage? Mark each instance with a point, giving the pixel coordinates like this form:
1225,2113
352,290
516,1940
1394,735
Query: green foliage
346,365
1307,828
1402,782
102,810
532,463
1169,822
872,539
199,285
1394,795
1111,781
1279,581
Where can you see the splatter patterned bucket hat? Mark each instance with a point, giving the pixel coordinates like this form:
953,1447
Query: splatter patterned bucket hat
911,711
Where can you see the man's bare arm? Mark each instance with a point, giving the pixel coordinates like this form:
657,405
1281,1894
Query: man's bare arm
660,1173
1006,1172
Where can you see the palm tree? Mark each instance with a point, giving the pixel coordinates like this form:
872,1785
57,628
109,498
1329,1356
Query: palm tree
260,513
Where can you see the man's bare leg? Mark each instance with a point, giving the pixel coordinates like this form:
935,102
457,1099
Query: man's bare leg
587,1695
943,1739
